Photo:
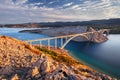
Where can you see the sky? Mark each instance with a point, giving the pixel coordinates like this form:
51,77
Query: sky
24,11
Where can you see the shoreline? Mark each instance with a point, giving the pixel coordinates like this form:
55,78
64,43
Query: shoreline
94,68
43,62
91,66
35,30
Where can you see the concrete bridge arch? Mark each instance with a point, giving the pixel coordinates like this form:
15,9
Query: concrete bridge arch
80,35
93,35
106,32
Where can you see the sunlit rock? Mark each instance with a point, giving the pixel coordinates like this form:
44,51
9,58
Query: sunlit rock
15,77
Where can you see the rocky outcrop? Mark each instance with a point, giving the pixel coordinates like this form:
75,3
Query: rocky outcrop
97,37
19,61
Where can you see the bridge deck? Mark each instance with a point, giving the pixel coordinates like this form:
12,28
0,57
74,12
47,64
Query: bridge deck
41,39
67,36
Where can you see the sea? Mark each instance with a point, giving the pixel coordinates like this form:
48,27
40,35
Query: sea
104,57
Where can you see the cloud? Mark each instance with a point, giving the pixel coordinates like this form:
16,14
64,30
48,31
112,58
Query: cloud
21,11
51,2
18,2
74,6
68,4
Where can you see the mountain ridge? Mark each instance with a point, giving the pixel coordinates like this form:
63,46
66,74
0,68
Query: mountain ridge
104,22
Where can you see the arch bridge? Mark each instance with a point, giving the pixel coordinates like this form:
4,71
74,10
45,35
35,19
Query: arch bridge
93,36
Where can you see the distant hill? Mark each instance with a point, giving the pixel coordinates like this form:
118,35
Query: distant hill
94,23
106,22
24,25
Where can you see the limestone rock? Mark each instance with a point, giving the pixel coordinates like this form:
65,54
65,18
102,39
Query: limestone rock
7,70
19,61
45,67
35,71
97,37
15,77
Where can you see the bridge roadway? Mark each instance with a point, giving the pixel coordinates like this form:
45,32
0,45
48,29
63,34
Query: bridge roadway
68,38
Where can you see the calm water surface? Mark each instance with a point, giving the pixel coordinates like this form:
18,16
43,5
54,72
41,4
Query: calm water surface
104,56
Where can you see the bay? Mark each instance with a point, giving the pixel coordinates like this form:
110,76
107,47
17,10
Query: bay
104,57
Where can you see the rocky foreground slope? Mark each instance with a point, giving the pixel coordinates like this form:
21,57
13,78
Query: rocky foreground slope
20,61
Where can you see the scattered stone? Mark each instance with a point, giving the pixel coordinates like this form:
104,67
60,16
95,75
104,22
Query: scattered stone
21,61
35,71
15,77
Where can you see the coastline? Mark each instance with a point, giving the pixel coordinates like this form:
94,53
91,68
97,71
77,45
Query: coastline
97,67
57,63
93,68
89,66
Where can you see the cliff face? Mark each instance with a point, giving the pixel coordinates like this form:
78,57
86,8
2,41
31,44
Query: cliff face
97,37
20,61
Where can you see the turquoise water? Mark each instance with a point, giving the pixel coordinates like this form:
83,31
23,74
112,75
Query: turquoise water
104,56
97,58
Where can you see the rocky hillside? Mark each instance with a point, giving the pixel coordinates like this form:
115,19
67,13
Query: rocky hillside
24,25
21,61
96,23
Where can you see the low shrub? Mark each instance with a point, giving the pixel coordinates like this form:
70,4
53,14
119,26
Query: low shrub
58,57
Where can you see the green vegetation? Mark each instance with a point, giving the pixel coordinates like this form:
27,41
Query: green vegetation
58,57
51,53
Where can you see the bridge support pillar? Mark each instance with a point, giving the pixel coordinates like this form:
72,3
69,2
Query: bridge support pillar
55,43
66,39
48,44
61,42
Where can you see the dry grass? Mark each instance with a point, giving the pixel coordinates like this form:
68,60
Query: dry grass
32,49
62,58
